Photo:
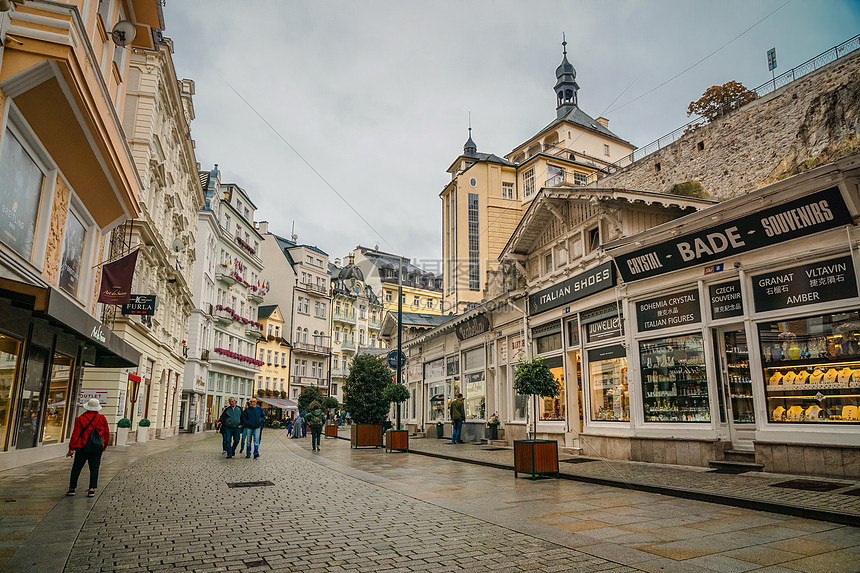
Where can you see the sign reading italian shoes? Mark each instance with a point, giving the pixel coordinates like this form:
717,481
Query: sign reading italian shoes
799,218
116,280
591,281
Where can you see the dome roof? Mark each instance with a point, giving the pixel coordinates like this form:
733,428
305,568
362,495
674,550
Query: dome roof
350,271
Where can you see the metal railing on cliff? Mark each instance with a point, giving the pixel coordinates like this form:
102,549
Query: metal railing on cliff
779,81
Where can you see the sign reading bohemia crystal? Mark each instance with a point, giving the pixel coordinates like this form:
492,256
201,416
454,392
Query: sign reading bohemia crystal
805,284
670,310
799,218
591,281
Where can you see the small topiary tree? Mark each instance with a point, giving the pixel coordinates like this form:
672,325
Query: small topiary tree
123,423
330,404
308,395
396,393
534,378
364,390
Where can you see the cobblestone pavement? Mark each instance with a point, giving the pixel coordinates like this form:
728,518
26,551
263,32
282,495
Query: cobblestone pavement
175,511
369,510
754,487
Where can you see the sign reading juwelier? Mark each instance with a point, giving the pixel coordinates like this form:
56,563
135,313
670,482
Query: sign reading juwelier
815,212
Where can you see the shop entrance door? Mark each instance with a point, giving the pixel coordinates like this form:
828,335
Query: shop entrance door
737,385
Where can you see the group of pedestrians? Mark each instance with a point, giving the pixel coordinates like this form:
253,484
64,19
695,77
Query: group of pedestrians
236,424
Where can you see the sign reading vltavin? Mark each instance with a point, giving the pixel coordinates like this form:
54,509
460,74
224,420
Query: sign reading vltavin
799,218
825,281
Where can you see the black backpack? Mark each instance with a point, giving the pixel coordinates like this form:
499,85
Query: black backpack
94,443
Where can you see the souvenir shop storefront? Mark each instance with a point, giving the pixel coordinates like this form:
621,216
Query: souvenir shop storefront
744,334
46,341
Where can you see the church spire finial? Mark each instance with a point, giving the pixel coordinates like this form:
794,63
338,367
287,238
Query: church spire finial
564,44
470,148
565,86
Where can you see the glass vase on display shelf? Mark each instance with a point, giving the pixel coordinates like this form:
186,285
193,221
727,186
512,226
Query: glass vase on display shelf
812,368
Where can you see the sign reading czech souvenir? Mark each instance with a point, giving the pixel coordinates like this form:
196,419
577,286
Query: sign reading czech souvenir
726,300
591,281
824,281
799,218
668,310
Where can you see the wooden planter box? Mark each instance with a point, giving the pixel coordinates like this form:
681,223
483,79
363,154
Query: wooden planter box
331,431
536,457
397,440
366,435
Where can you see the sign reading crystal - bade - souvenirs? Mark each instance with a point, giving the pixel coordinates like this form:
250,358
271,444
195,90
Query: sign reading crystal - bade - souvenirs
591,281
824,281
799,218
726,300
669,310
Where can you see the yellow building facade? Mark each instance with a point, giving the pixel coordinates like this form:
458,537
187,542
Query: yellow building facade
273,350
488,195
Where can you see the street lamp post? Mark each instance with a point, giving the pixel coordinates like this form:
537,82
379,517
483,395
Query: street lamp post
399,328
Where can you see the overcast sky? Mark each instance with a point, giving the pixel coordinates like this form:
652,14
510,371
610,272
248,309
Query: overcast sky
347,110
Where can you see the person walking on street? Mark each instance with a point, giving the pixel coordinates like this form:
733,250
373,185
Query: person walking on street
231,420
252,422
304,424
297,426
89,439
315,419
458,414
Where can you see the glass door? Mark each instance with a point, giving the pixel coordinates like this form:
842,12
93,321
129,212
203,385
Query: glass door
737,385
30,403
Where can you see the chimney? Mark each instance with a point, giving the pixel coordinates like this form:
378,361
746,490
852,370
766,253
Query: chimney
603,121
263,227
337,262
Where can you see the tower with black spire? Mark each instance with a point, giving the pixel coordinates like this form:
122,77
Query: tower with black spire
470,149
565,85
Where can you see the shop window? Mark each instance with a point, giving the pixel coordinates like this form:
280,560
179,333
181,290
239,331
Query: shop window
32,395
474,383
57,399
547,342
610,398
552,409
74,246
437,401
674,382
593,239
9,351
22,183
812,368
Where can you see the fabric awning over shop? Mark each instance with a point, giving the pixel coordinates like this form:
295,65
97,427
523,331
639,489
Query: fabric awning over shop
104,348
281,403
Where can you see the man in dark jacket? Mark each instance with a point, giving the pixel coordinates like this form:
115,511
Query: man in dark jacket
230,420
458,414
252,422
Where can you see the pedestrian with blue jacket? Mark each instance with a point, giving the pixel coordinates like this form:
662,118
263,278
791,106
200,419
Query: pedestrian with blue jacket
253,419
230,420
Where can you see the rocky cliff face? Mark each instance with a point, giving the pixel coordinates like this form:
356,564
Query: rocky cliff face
807,123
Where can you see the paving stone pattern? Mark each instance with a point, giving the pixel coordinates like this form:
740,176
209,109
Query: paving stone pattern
174,511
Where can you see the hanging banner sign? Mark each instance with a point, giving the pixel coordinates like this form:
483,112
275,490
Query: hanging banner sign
799,218
668,310
590,282
805,284
141,304
116,280
726,300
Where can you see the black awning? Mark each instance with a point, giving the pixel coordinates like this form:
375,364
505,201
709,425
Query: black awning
105,349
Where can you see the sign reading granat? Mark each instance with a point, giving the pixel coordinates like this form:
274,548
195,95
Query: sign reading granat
799,218
726,300
591,281
806,284
478,324
668,310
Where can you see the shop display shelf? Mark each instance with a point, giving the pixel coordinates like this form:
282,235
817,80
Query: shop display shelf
819,386
813,362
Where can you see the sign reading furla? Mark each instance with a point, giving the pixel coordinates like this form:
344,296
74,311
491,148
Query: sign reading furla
816,212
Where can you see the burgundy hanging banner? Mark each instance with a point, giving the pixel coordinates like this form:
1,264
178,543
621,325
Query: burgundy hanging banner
116,280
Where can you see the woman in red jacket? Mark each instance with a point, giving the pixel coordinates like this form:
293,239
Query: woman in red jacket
85,424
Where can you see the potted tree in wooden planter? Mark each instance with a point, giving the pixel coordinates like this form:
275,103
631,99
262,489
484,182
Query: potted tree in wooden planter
365,399
536,457
330,404
397,439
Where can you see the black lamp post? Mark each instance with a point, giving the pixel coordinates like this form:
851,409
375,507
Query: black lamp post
399,328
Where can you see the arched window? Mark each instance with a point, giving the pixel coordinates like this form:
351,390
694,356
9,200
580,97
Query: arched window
298,335
305,337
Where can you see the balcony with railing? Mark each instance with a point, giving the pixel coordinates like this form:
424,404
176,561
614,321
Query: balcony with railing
339,372
374,323
311,348
308,381
311,287
343,316
348,345
567,178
